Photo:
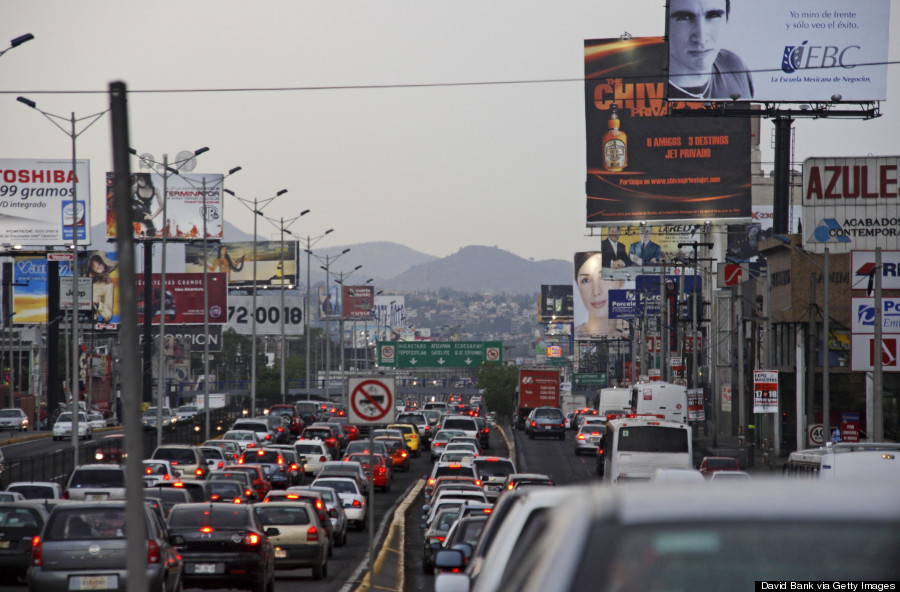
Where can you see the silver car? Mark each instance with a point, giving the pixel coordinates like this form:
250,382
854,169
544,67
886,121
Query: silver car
83,547
588,437
13,418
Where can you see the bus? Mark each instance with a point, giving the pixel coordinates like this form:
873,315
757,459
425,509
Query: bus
660,398
846,461
633,447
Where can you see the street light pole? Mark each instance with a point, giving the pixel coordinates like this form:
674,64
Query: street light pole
73,134
341,329
310,241
257,211
327,267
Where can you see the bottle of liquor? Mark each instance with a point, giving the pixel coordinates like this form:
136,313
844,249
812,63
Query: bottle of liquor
615,144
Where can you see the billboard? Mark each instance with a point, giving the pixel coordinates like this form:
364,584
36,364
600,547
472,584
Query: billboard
36,201
329,302
631,250
269,314
557,303
390,315
357,302
642,164
592,307
185,204
743,239
236,260
851,203
778,50
184,298
862,264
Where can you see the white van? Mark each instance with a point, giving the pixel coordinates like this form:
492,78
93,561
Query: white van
635,447
613,399
660,398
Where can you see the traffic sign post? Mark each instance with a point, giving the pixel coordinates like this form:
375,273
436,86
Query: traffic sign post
371,400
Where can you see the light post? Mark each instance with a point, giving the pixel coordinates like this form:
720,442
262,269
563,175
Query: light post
283,228
257,211
17,42
327,267
167,171
310,241
340,282
73,134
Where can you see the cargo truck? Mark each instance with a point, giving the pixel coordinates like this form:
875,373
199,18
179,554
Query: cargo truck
538,387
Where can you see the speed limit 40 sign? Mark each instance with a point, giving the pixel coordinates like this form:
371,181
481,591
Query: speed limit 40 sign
268,314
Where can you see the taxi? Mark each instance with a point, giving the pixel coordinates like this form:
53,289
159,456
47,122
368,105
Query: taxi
411,434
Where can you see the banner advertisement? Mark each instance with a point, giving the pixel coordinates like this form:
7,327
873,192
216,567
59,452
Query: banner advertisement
778,50
557,304
358,302
186,206
725,399
696,405
862,316
236,260
592,311
862,264
269,314
863,351
643,164
626,248
851,203
36,202
184,298
329,306
765,391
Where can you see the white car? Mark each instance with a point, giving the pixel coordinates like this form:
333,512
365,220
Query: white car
96,421
63,427
13,418
158,471
186,412
351,496
315,454
246,438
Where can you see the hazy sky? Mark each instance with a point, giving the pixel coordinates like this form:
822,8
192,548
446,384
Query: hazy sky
435,167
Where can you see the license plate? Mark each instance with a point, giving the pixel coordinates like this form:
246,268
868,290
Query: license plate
280,553
96,496
5,544
93,582
205,568
548,427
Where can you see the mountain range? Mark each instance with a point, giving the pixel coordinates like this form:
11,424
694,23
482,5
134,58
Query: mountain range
396,268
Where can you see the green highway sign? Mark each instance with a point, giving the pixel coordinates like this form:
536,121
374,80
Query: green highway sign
438,354
590,379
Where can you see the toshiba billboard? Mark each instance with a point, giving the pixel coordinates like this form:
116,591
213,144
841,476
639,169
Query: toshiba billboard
851,203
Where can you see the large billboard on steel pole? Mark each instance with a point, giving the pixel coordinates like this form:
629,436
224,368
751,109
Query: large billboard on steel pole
778,50
36,201
643,164
186,208
236,260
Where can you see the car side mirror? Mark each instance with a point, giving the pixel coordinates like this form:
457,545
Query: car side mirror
449,559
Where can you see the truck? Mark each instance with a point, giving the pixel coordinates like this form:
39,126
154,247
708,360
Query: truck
660,398
572,403
614,399
538,387
216,400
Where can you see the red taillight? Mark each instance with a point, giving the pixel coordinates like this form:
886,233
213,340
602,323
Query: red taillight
37,556
430,482
580,437
241,460
322,459
356,504
294,467
206,529
312,534
153,553
248,492
533,423
214,497
237,500
220,465
252,538
66,494
330,441
319,504
200,472
268,436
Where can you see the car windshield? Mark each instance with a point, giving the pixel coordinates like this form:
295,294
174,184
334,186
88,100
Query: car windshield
85,523
9,413
33,491
339,486
494,468
290,515
214,515
548,414
98,478
308,448
183,456
262,456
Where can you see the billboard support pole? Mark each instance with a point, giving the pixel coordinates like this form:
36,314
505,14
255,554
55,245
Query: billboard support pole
782,183
876,430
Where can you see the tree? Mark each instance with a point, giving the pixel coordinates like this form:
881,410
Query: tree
498,383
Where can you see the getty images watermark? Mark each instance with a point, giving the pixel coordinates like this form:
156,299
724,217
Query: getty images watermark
852,586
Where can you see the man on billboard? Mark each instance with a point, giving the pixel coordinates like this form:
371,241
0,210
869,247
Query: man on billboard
613,252
699,68
645,251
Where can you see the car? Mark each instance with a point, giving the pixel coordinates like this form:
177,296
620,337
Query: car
295,466
166,497
260,482
383,473
302,540
411,433
727,476
452,482
464,533
418,419
224,545
197,490
462,423
516,480
63,427
261,425
351,496
183,457
309,411
645,537
13,418
231,448
151,415
215,457
83,546
96,421
326,434
229,491
484,432
335,522
588,437
350,430
713,464
435,536
352,469
546,421
20,522
186,412
314,454
342,437
37,490
676,475
362,447
11,496
245,438
110,449
96,482
158,470
272,462
450,470
295,421
280,426
243,477
492,472
397,451
465,456
440,439
570,420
